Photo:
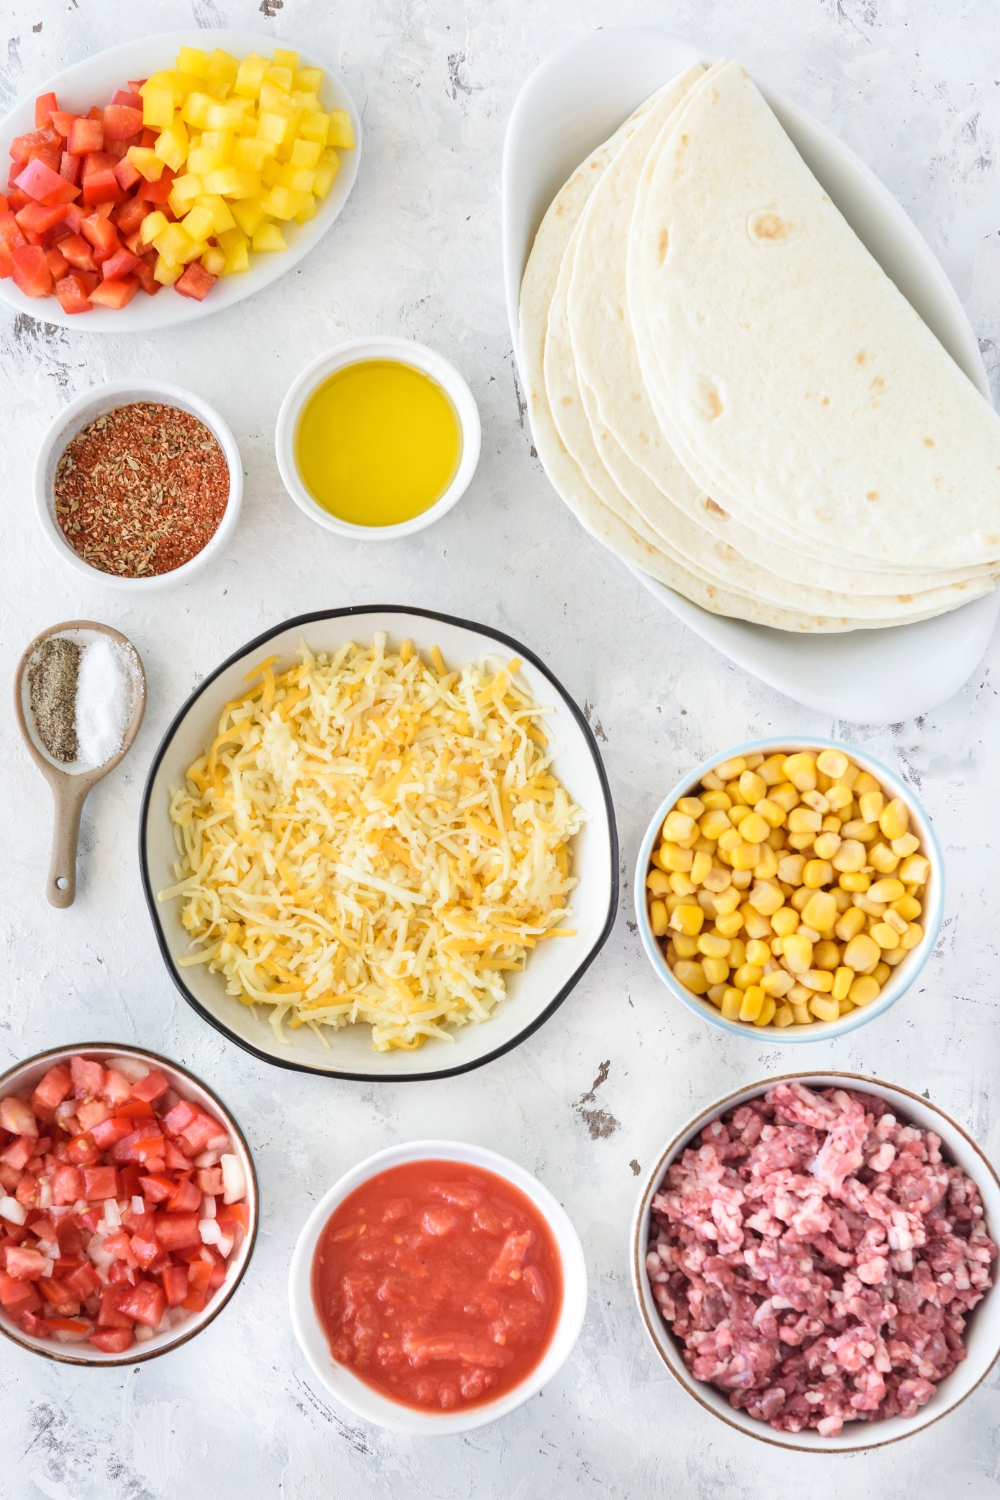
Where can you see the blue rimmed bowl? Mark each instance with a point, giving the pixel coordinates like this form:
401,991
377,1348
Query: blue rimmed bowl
902,976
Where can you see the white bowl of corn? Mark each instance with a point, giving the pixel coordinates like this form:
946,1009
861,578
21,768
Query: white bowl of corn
793,886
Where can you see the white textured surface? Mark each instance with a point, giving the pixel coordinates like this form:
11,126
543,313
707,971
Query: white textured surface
912,89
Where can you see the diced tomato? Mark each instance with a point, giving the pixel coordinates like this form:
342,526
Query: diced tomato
199,1276
51,1091
134,1109
103,235
159,191
65,1265
93,1216
45,185
146,1303
177,1120
102,187
231,1216
128,1180
154,1085
9,1178
62,121
99,1183
15,1115
69,167
116,1088
140,1223
31,1324
84,1281
83,1150
217,1277
186,1198
121,121
26,1191
3,204
109,1132
44,105
19,1296
209,1180
119,1245
93,1112
146,1248
67,1180
175,1284
35,218
31,273
86,135
128,96
18,1153
176,1231
196,282
114,1341
157,1189
58,1295
120,1273
88,1077
175,1157
27,1264
204,1128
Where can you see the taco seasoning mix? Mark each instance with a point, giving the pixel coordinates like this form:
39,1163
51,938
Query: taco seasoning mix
141,490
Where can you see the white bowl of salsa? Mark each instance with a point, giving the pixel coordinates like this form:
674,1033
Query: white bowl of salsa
503,1283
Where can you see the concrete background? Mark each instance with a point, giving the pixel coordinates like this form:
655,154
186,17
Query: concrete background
915,90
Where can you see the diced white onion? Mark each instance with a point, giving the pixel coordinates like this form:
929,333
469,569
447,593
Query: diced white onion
208,1207
224,1246
138,1204
132,1068
208,1158
143,1334
45,1195
219,1143
97,1252
234,1182
12,1210
112,1217
49,1266
210,1232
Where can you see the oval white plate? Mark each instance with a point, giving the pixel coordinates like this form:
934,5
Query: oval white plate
982,1334
554,968
577,98
93,81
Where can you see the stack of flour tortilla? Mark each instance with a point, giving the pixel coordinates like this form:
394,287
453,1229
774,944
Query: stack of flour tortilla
729,392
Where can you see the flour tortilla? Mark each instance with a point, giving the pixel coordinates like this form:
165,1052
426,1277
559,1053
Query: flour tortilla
637,454
790,371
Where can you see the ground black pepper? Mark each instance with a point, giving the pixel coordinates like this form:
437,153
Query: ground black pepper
52,679
141,490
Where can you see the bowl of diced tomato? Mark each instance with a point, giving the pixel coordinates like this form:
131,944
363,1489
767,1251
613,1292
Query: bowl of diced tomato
128,1204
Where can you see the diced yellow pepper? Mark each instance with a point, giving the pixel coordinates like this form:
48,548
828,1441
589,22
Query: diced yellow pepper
165,79
152,225
341,129
305,153
299,179
228,116
315,127
307,211
231,182
308,79
187,83
237,260
308,103
199,223
250,155
325,173
146,161
272,126
270,172
273,96
192,60
231,239
269,237
250,76
175,244
222,219
204,159
214,261
157,108
220,140
249,214
284,58
222,67
183,191
172,144
285,203
165,272
281,75
194,110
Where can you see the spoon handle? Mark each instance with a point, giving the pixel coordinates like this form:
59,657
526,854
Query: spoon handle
69,799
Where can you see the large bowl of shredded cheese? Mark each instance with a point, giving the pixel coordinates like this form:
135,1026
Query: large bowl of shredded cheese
379,843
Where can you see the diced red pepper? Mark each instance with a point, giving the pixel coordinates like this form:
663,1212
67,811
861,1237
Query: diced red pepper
129,97
97,161
16,199
109,1132
232,1216
196,282
67,1180
69,167
113,1341
134,1109
83,1150
99,1183
45,185
45,139
147,279
175,1284
122,263
84,1281
68,1325
159,191
121,121
102,187
103,235
36,218
86,135
31,273
44,105
58,1295
128,1180
177,1231
199,1276
127,174
186,1198
62,121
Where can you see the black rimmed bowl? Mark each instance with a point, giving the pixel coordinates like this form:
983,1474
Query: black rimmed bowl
21,1080
552,970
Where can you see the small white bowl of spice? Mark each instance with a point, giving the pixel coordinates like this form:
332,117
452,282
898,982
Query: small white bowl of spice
138,484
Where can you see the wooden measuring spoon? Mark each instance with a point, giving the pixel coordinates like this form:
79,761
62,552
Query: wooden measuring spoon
70,789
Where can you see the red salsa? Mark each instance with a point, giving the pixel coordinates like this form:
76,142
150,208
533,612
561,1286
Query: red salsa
439,1284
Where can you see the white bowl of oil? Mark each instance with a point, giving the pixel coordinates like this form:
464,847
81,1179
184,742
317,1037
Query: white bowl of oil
377,438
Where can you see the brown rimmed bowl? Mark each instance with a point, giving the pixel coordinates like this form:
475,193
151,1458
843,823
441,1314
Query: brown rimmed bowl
22,1079
982,1333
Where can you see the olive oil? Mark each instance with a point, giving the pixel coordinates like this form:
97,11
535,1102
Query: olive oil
378,443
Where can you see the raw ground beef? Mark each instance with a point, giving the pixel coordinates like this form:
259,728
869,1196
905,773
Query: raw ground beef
816,1258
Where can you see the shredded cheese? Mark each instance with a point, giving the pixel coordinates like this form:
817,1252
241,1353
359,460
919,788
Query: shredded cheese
369,839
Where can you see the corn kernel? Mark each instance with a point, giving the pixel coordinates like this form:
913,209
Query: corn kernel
729,923
738,812
855,880
886,891
673,857
784,796
767,1012
691,975
862,952
842,981
802,1014
817,980
804,820
839,797
871,908
767,866
864,990
908,844
908,907
766,898
700,866
687,919
753,829
657,882
881,973
785,921
772,814
800,897
686,947
827,845
817,873
826,955
745,856
894,819
778,983
726,904
753,1003
742,879
732,1002
882,859
832,763
658,918
913,935
756,924
892,919
871,805
713,946
770,771
914,869
798,953
857,828
783,1016
894,956
820,911
715,993
816,801
800,770
758,953
730,840
680,884
846,1006
677,826
729,770
752,787
824,1008
790,868
716,970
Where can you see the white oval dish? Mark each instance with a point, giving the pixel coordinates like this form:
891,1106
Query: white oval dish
95,403
91,81
902,976
364,1399
553,968
27,1075
573,101
403,351
982,1335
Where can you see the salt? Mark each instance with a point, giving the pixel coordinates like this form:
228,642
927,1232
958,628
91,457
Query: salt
105,698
